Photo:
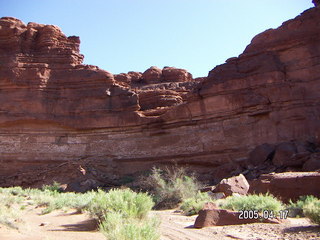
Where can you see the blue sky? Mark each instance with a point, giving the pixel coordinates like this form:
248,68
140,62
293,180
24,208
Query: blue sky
132,35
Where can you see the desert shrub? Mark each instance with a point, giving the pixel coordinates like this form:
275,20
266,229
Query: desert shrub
54,187
123,215
170,186
10,216
252,202
296,208
65,201
116,227
312,210
130,204
10,212
192,206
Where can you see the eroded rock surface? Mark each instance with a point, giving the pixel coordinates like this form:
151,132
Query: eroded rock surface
57,114
288,185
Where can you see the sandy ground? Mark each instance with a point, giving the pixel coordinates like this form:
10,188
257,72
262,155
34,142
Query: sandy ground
174,226
53,226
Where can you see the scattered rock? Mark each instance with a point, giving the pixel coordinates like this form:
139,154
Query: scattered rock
44,224
237,184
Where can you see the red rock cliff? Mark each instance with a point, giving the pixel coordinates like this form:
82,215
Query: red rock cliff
57,114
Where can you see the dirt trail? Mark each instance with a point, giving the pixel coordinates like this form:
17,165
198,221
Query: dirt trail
53,226
174,226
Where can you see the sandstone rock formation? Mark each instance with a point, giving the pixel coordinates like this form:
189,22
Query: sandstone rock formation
288,185
57,114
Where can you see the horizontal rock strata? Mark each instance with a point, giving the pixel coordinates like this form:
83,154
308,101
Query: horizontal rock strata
57,114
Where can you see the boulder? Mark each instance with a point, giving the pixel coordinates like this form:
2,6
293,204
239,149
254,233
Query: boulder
313,163
237,184
222,217
284,154
261,153
82,186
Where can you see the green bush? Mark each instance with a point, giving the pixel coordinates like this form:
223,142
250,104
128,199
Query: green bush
54,187
252,202
169,187
123,215
128,203
312,210
192,206
296,208
116,227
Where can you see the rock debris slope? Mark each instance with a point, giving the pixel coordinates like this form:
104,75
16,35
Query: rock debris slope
58,116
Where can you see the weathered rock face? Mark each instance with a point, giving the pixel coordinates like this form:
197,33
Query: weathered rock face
288,186
57,114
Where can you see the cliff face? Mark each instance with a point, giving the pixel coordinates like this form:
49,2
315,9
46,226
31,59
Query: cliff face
57,114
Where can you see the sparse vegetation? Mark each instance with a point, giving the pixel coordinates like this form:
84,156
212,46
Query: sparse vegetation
122,213
296,208
252,202
312,210
116,227
192,206
126,202
170,187
10,212
54,187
